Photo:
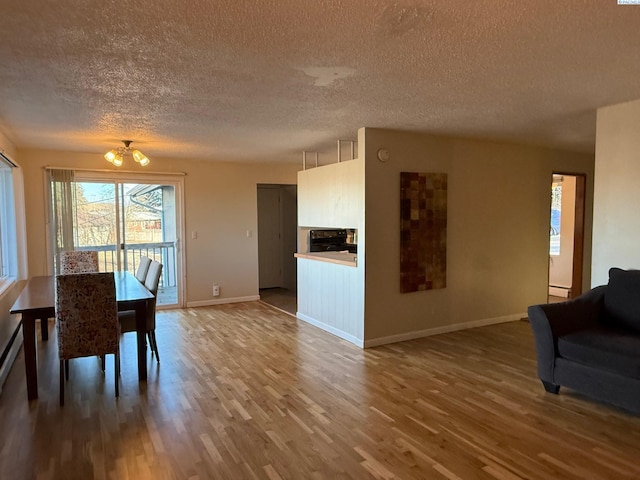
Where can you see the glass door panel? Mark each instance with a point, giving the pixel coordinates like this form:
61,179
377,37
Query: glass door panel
149,228
96,221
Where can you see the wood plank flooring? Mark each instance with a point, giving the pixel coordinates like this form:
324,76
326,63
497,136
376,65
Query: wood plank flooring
245,391
281,298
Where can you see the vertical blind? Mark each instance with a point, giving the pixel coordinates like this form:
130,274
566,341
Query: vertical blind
62,189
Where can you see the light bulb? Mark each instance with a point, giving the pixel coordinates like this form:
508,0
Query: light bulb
117,159
110,156
140,158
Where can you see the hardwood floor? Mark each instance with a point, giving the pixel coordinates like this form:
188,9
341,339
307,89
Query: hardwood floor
247,392
282,298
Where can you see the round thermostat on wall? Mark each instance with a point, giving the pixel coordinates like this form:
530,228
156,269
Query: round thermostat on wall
383,155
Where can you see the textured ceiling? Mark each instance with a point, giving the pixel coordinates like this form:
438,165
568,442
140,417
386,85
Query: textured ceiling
266,79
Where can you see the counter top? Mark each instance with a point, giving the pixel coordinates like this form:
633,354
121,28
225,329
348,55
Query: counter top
339,258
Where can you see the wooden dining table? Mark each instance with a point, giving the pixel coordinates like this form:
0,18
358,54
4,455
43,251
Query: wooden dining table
37,301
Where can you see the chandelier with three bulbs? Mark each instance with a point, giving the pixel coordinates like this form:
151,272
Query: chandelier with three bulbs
117,155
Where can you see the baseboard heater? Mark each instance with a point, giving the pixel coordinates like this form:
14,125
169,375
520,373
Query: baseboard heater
9,354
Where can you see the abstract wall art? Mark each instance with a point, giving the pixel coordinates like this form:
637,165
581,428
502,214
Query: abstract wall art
423,231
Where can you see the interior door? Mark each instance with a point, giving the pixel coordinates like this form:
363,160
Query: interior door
289,222
269,240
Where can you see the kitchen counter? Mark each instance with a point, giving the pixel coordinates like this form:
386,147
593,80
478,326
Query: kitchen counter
339,258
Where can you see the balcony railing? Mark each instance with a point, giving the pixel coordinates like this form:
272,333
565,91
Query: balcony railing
163,252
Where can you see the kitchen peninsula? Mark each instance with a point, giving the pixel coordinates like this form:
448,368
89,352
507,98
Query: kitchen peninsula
331,283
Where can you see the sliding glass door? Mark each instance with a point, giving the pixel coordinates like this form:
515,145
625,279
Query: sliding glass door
149,228
125,219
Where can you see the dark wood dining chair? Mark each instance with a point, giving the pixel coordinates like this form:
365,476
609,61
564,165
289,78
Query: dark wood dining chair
87,320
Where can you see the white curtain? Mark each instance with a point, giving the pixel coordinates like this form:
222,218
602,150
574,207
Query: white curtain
62,199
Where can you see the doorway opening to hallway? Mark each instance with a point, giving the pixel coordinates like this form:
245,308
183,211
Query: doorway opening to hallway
566,236
277,243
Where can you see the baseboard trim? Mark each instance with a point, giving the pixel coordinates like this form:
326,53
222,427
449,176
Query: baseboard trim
402,337
328,328
220,301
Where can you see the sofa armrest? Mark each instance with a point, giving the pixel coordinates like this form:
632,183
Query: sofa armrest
550,321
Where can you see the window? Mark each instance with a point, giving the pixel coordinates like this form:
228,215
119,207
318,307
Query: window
556,218
8,244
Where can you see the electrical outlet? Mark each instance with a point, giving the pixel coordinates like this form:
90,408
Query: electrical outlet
216,290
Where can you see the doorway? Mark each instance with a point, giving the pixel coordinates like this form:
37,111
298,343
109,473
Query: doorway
125,219
277,243
566,236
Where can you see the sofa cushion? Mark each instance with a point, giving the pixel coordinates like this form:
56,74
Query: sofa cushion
622,298
612,349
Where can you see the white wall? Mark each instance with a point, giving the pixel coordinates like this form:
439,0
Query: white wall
220,204
331,297
497,234
616,224
332,196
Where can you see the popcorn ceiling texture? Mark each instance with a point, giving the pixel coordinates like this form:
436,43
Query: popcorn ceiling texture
266,79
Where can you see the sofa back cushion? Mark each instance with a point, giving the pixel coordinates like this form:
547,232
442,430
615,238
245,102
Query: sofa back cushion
622,298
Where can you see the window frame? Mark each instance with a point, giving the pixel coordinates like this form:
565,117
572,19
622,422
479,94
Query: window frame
12,223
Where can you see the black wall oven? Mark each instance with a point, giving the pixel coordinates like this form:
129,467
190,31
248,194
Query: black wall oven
332,240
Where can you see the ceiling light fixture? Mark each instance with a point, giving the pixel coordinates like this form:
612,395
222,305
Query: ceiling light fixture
116,155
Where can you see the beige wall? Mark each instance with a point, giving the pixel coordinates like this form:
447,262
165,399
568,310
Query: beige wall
497,237
617,196
220,204
7,146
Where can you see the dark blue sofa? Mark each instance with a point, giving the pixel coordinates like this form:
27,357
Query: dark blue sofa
591,344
